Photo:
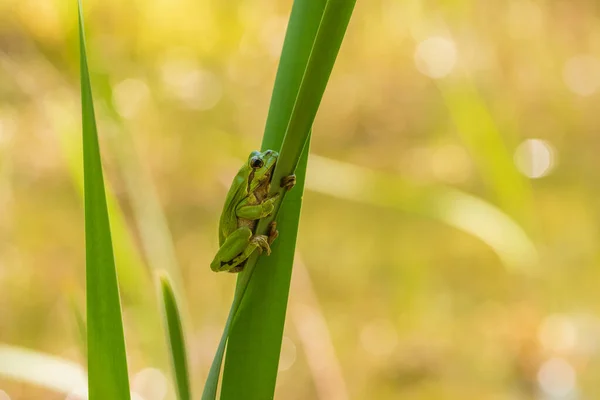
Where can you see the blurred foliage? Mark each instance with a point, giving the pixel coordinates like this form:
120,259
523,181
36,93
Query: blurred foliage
414,308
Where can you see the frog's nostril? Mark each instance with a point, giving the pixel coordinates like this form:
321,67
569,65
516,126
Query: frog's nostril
268,152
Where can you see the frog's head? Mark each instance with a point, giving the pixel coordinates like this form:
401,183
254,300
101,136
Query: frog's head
261,167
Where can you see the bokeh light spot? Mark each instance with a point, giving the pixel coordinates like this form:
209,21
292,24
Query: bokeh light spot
7,128
535,158
196,88
582,74
150,384
557,378
436,56
450,164
288,354
379,338
525,19
558,333
273,34
129,95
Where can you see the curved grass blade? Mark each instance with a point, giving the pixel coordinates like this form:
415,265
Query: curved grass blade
480,133
255,338
107,361
41,369
451,206
176,339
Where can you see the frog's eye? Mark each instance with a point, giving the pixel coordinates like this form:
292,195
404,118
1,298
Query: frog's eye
256,163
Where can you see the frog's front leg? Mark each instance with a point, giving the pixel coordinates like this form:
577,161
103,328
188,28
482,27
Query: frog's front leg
288,182
256,211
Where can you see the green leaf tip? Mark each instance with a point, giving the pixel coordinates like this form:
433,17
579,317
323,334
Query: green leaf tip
175,336
107,361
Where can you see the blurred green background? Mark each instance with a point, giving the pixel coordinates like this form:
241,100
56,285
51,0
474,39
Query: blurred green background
448,246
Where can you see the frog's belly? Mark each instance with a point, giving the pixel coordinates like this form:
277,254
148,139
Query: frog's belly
243,222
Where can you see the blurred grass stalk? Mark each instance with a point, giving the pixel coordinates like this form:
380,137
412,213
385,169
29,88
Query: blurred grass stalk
309,320
451,206
477,128
107,361
41,369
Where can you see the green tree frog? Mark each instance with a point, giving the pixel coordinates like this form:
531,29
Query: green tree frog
247,201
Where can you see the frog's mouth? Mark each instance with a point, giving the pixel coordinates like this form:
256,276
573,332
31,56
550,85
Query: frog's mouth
269,173
264,181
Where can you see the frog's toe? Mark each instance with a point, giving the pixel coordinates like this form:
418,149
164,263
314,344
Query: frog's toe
262,243
238,268
288,182
273,232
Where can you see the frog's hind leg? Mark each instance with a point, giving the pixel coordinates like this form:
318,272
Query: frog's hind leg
233,246
258,242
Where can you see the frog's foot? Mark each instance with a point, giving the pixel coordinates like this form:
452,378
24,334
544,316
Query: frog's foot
273,232
288,182
238,268
262,243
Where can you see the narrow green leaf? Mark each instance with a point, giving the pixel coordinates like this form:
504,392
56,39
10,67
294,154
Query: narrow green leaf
262,312
212,381
132,274
299,40
176,339
131,271
41,369
107,361
255,338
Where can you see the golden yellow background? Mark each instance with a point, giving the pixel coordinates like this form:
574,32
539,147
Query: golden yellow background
448,244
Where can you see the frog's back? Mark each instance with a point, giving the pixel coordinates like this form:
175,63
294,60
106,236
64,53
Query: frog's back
228,220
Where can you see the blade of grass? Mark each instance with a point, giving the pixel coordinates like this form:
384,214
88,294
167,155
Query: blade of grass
299,40
132,273
60,113
176,339
255,338
300,36
107,361
40,369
